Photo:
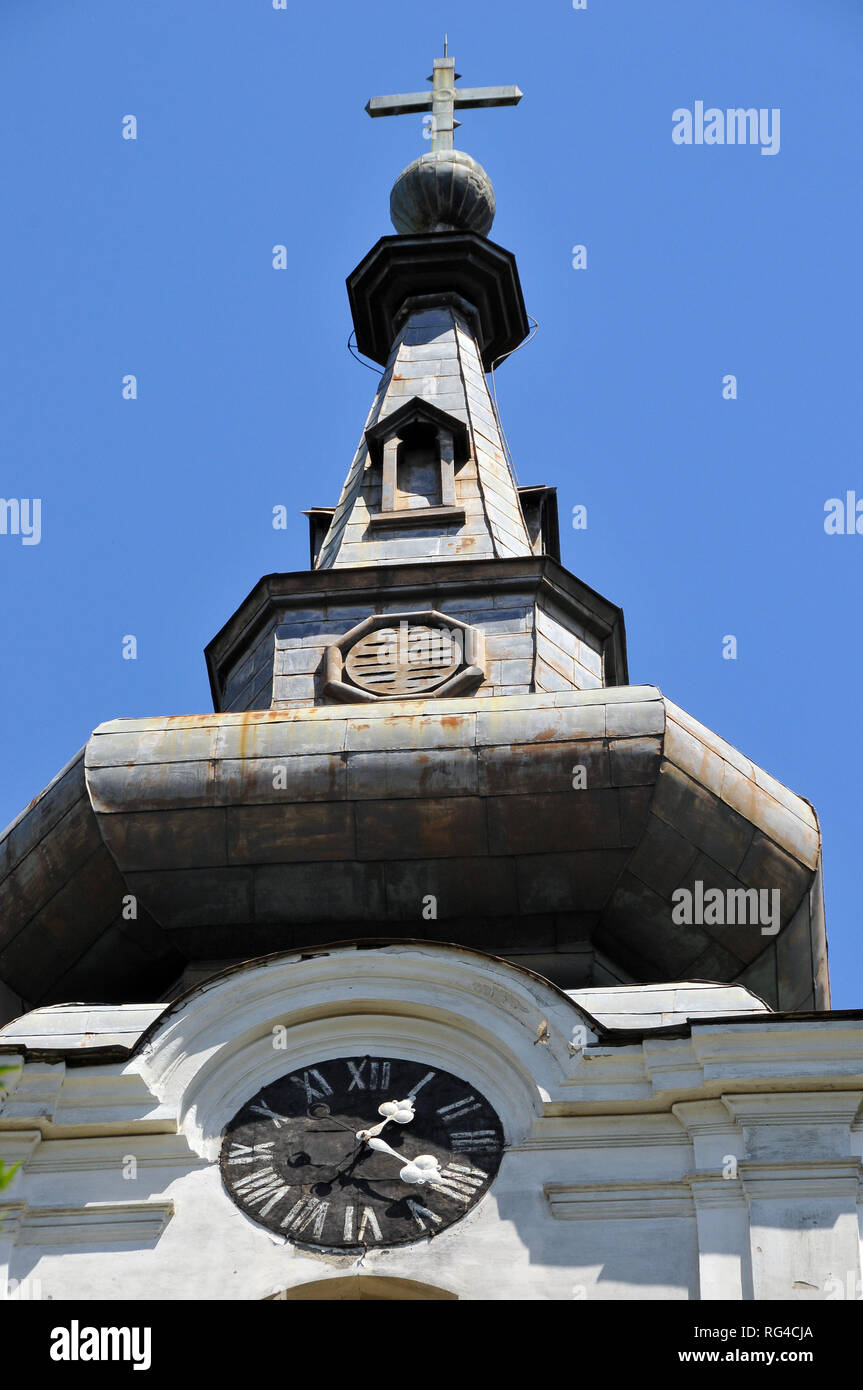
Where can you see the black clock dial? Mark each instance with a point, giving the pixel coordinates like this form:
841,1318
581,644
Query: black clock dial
292,1161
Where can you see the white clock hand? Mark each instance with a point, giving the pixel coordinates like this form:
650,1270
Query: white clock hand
424,1168
401,1111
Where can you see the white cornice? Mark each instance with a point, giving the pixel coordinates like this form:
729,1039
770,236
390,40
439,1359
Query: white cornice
712,1190
764,1057
618,1201
817,1108
18,1145
837,1179
105,1153
104,1223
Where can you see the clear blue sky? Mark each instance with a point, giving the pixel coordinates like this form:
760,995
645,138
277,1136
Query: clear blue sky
153,257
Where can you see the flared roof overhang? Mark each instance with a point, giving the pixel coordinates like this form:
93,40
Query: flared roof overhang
470,802
403,268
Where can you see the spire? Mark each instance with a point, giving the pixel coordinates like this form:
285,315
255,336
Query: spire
430,479
438,305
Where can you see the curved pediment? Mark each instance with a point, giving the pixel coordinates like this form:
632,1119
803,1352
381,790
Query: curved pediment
251,1024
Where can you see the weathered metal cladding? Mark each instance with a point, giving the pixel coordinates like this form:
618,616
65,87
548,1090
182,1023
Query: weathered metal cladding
433,263
65,929
462,820
544,629
433,372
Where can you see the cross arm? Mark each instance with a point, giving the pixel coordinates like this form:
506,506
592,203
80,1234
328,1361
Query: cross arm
401,105
488,96
407,103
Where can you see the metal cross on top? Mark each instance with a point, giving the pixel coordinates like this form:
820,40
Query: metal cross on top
443,100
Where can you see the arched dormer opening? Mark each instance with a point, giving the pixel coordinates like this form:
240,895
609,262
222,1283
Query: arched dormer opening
418,450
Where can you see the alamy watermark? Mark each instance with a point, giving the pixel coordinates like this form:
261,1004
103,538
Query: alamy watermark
424,646
736,125
720,907
77,1343
844,515
21,516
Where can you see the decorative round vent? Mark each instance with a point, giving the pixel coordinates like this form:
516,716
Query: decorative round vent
403,656
411,658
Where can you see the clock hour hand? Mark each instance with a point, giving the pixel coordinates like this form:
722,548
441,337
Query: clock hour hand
322,1112
399,1111
424,1168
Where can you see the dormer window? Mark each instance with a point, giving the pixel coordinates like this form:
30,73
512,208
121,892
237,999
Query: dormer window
418,469
417,449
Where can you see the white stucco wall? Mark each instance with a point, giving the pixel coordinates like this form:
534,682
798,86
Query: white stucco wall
720,1162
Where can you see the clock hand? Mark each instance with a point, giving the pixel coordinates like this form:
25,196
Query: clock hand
343,1169
424,1168
401,1111
319,1111
354,1160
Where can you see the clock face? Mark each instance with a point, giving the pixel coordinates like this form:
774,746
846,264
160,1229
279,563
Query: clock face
293,1161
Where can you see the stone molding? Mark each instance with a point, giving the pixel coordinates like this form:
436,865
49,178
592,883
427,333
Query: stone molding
797,1179
618,1201
102,1223
214,1050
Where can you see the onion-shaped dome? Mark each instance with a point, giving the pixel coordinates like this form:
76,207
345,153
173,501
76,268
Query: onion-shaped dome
443,191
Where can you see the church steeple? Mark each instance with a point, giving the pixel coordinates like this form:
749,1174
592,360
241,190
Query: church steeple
438,305
436,714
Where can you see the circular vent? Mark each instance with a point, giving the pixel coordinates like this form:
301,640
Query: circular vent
405,660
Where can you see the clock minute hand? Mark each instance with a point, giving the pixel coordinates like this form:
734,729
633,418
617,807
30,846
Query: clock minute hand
424,1168
400,1111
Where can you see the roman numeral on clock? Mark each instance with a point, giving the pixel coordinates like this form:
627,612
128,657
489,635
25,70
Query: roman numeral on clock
307,1211
252,1181
378,1078
368,1222
421,1214
429,1076
261,1108
458,1108
469,1141
459,1181
250,1153
315,1090
264,1186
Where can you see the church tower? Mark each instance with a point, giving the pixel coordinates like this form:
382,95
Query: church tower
431,858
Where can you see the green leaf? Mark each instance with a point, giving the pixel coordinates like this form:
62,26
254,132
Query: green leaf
7,1174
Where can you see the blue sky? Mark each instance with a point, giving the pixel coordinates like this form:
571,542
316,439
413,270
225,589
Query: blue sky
153,257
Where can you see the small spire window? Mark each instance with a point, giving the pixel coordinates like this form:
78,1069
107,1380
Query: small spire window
417,450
